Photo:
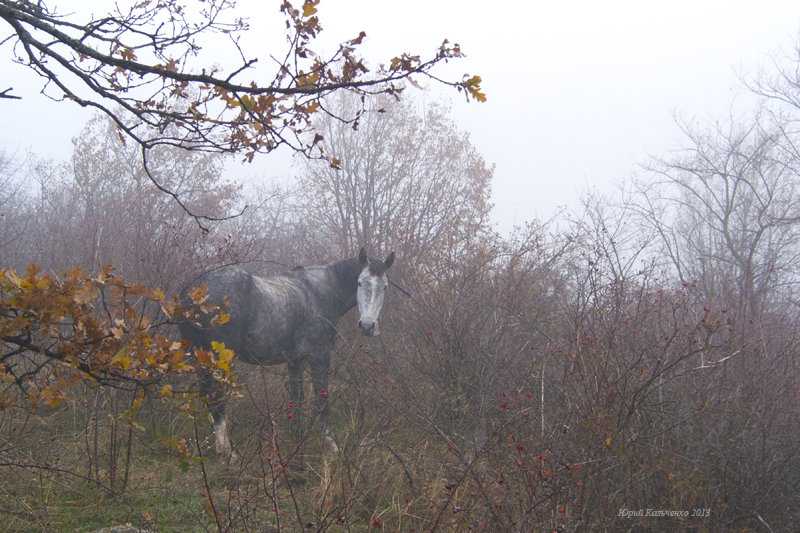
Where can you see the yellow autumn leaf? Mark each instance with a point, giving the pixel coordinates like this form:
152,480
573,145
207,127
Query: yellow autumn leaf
180,366
121,359
85,294
248,102
309,7
12,277
198,295
170,308
53,395
473,86
5,375
203,356
224,355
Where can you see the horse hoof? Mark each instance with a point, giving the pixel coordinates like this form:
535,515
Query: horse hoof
332,446
233,458
228,456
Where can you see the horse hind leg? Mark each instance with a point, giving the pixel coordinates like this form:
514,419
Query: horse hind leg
211,390
319,375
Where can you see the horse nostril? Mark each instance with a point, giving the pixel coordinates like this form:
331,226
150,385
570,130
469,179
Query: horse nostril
366,326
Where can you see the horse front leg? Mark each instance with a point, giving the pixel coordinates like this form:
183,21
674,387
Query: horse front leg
320,366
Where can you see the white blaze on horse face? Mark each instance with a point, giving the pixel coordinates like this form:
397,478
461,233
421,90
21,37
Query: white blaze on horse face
369,298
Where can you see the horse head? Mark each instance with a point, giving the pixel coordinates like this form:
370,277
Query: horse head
372,285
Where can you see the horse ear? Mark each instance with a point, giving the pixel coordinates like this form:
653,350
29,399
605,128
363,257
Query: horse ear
389,260
362,256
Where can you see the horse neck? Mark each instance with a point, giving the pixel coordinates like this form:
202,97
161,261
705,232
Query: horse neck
345,274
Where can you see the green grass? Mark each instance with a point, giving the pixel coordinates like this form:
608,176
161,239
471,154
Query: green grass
392,473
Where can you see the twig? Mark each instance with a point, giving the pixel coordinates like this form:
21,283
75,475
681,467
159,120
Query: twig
174,196
5,94
204,473
763,522
715,363
401,289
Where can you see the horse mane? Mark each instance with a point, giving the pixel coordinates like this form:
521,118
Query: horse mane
346,270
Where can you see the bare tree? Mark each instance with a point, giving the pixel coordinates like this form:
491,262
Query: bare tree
13,197
728,210
403,178
103,209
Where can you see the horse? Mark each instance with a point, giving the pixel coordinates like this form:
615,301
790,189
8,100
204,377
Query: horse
289,318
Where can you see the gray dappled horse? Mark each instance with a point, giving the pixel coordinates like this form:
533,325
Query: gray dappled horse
289,318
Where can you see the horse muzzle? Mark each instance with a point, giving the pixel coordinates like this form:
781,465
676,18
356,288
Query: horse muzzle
369,327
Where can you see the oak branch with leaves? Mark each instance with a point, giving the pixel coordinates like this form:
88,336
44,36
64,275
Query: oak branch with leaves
144,65
56,331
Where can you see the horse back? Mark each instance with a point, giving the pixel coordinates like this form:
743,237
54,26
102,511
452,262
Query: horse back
266,315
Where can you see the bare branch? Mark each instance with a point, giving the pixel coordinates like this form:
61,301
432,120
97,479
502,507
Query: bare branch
140,62
199,219
7,94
